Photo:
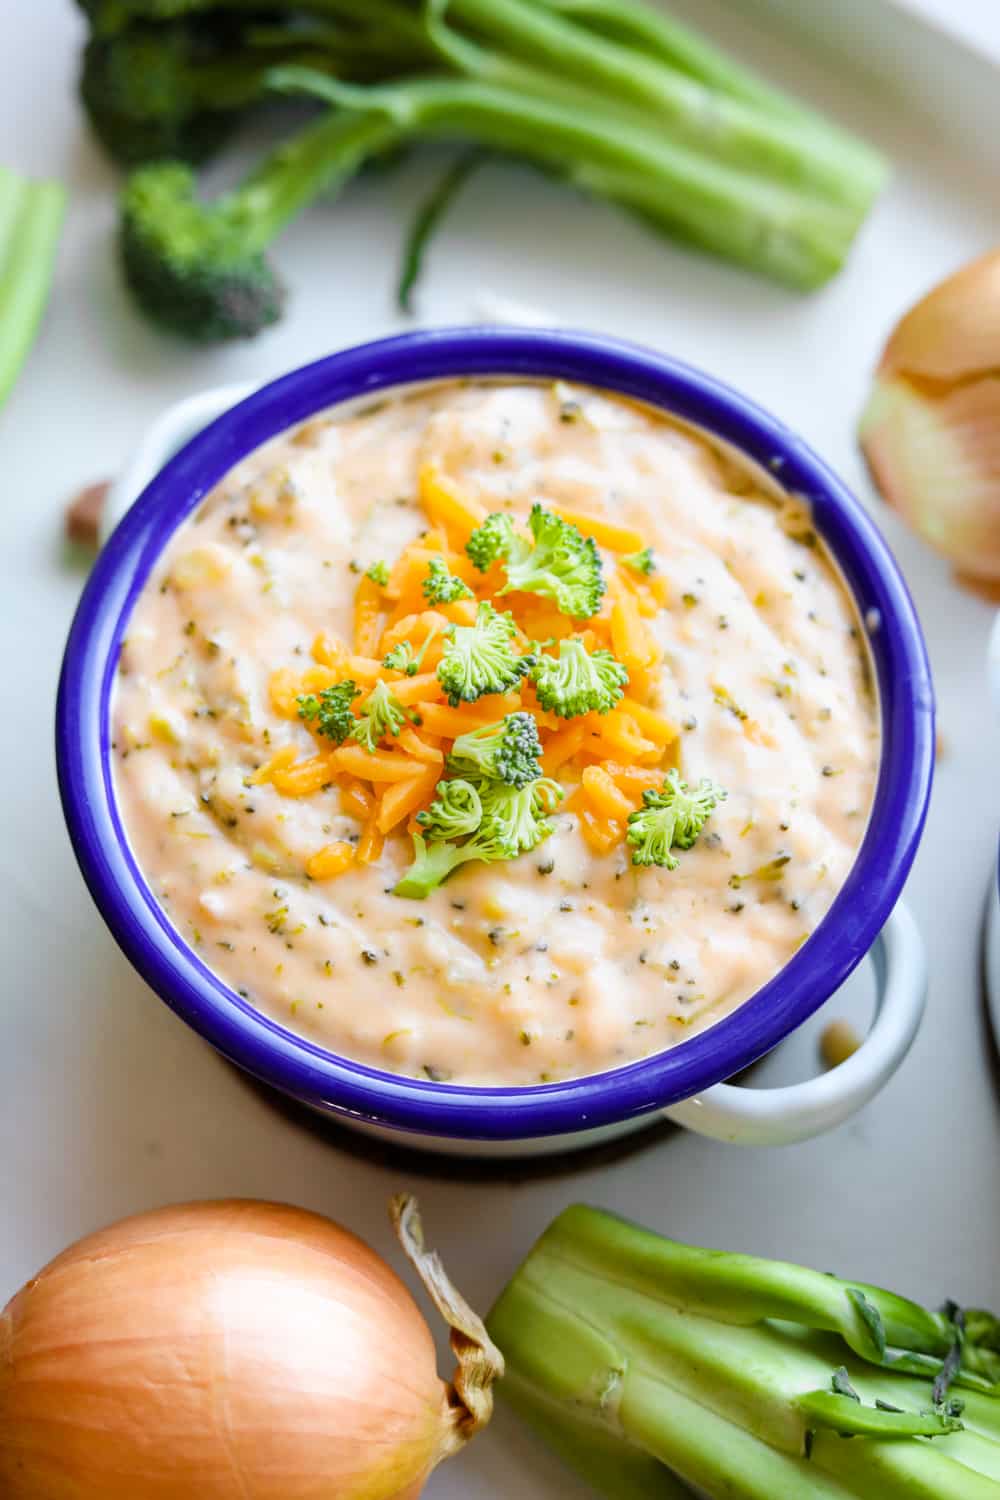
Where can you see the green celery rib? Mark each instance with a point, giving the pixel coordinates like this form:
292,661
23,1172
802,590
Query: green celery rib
606,1459
706,1361
758,222
31,215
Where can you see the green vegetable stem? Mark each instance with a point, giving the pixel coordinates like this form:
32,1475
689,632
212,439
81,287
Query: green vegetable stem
31,215
650,1365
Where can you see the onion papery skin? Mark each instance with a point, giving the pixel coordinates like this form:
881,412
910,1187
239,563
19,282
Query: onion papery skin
931,430
934,455
230,1350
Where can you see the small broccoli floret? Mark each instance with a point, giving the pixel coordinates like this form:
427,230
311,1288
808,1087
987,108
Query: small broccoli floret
508,751
378,573
671,818
641,562
329,712
442,587
495,538
455,811
516,816
403,658
560,563
200,269
577,681
511,821
379,715
480,658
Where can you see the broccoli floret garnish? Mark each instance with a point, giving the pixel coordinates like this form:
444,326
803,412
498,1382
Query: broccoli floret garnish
577,681
200,269
641,562
495,538
329,712
671,818
442,587
403,658
380,714
480,658
512,821
378,573
455,811
517,815
508,751
559,563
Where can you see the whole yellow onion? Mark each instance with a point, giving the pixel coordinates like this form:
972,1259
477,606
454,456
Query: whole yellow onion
229,1351
931,429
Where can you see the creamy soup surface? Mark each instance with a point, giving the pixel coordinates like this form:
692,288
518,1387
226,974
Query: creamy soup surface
566,960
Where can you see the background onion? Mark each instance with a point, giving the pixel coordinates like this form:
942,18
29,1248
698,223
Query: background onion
931,429
232,1351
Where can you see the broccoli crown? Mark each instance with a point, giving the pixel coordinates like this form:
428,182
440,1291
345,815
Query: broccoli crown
190,267
641,562
508,751
380,714
495,538
559,562
480,658
510,821
158,93
455,811
329,712
577,681
378,573
442,587
671,818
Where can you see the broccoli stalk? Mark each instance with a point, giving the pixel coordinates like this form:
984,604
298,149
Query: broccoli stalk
510,821
201,271
480,658
670,819
31,215
380,714
559,562
508,751
577,681
650,1364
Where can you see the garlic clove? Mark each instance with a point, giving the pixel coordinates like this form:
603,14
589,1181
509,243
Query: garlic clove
953,332
934,455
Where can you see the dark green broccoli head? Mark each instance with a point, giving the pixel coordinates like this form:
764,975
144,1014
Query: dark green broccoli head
109,17
508,751
329,711
189,266
154,93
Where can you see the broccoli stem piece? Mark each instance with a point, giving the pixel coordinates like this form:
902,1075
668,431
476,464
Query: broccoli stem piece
432,864
739,133
31,215
724,1368
760,222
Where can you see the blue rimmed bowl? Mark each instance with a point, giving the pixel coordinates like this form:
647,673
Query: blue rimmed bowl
686,1082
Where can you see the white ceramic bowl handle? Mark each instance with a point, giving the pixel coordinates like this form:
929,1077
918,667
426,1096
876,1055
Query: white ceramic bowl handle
780,1116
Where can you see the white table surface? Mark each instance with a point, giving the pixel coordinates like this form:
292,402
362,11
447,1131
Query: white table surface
107,1104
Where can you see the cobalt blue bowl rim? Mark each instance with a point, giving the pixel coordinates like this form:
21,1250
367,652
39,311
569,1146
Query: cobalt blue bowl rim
301,1068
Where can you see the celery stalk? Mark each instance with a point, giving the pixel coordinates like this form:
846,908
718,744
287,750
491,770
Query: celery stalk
31,215
721,1368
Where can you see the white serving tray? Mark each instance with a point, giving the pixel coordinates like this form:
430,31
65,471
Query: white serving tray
107,1104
